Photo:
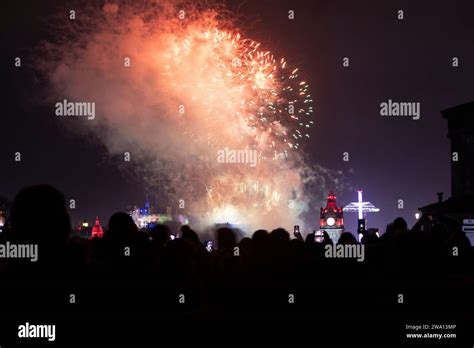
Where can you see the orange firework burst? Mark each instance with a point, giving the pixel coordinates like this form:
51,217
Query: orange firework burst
242,92
193,87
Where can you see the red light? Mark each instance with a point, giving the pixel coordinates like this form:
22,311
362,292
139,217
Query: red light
97,230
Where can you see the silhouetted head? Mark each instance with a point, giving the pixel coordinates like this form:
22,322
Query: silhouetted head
184,229
369,238
121,227
280,234
225,238
260,236
310,238
347,238
160,234
39,215
245,244
190,235
400,225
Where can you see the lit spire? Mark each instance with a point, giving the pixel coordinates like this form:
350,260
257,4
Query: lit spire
97,230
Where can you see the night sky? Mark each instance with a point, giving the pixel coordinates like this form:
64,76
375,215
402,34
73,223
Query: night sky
394,158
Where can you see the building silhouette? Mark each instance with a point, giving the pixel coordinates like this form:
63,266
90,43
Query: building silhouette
456,212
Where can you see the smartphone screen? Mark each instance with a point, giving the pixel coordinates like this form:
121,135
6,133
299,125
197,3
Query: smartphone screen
319,236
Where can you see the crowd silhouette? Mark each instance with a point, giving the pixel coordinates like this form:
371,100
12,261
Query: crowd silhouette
39,215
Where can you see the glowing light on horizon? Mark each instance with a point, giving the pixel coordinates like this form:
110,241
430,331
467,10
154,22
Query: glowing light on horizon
226,214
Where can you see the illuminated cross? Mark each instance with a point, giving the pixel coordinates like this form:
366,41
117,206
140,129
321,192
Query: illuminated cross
360,207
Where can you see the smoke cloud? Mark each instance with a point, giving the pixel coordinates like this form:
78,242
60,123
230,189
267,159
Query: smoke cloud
173,84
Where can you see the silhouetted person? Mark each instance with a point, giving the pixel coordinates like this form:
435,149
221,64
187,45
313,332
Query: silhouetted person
124,248
399,225
39,216
225,238
369,238
280,234
160,235
122,229
326,239
310,238
347,238
189,235
259,237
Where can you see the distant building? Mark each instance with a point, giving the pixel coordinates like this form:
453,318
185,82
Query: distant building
146,217
457,211
97,230
332,218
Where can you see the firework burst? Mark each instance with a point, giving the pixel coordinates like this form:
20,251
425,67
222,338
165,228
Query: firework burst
245,93
194,86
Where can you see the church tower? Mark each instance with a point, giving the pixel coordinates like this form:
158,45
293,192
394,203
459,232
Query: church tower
332,218
97,230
